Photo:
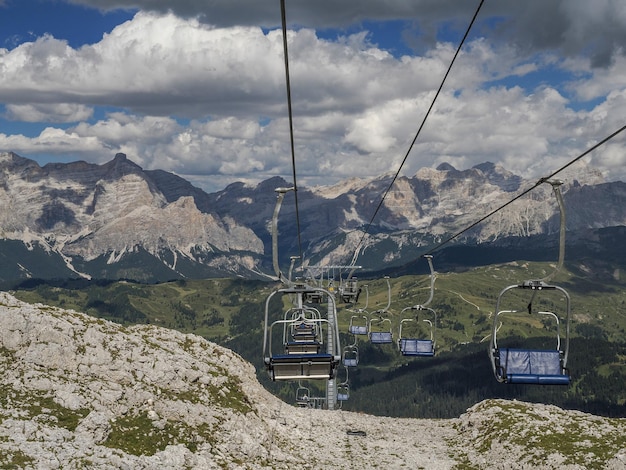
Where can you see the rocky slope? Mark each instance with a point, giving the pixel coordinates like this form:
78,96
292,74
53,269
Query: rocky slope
85,211
77,392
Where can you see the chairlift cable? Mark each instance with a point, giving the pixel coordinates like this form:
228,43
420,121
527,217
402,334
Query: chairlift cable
406,156
283,16
523,193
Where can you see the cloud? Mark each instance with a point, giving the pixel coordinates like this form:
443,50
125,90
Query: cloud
572,27
209,103
163,65
44,112
152,64
52,140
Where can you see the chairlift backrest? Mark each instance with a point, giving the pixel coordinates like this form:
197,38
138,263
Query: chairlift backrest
416,347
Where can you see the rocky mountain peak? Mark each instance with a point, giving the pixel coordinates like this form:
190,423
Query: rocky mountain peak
445,166
94,217
85,211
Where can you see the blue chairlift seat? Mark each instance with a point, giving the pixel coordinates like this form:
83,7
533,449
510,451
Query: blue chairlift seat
358,329
527,366
417,347
350,361
342,395
381,337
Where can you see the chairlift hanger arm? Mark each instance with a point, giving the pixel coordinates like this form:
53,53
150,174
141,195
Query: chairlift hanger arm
429,258
556,188
279,201
291,265
388,293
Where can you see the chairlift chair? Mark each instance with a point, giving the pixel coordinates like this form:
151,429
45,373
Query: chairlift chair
349,290
303,329
535,366
314,298
303,396
531,366
412,346
343,389
416,346
351,355
359,328
381,336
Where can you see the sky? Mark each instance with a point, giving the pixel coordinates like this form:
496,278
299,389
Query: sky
198,87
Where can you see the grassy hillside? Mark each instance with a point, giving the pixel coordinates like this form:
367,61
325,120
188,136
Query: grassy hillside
231,311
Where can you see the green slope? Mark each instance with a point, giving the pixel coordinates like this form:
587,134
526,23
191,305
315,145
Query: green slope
231,312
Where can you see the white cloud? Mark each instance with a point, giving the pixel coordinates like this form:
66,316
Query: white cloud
597,83
152,64
49,112
190,98
572,27
54,141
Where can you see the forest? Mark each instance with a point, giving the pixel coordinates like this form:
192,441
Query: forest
230,312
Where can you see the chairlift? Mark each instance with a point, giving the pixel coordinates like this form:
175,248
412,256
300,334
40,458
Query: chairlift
531,366
343,392
343,389
349,290
301,355
303,396
420,346
359,323
351,355
367,298
314,298
535,366
381,335
359,327
412,346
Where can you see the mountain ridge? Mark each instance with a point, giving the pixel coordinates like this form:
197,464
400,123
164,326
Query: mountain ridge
117,220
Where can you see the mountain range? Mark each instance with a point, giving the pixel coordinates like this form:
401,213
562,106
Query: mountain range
118,221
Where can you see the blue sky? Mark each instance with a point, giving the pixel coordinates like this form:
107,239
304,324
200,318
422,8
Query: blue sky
198,88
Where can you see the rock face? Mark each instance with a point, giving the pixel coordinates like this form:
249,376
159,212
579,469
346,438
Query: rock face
85,211
78,392
118,221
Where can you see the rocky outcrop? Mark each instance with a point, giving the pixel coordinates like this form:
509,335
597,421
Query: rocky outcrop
85,211
79,392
